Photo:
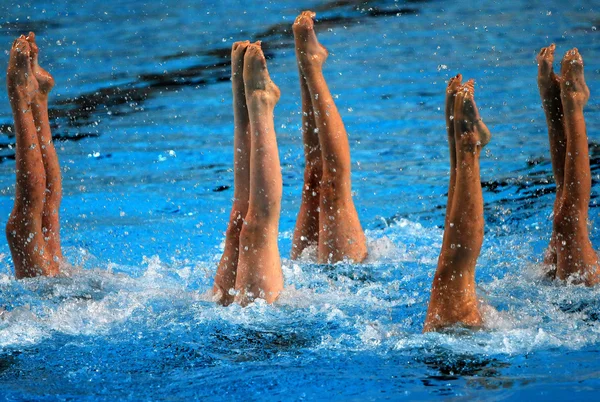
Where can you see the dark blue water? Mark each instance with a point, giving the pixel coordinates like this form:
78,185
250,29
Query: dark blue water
142,115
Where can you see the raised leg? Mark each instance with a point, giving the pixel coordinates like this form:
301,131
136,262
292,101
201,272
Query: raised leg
24,228
340,233
453,297
453,86
576,259
50,216
549,86
306,232
259,272
227,269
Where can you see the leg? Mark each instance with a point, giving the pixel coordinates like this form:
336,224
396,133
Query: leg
227,269
549,85
50,216
259,269
453,86
340,233
576,258
24,228
306,232
453,298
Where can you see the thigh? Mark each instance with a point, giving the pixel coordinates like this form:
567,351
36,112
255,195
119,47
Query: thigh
259,272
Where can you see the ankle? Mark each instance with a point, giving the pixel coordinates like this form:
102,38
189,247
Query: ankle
311,69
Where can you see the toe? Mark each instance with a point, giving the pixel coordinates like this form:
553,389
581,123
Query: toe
545,58
469,87
454,82
254,54
309,14
239,46
572,61
305,19
22,48
572,55
459,99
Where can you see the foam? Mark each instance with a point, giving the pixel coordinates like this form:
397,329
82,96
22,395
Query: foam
377,306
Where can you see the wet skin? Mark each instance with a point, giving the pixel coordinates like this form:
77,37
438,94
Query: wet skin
563,98
327,216
33,228
250,267
453,297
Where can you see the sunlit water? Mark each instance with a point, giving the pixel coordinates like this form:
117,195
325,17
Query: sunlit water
143,106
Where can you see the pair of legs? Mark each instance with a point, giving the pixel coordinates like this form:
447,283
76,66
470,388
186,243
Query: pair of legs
33,227
250,266
327,216
453,297
563,99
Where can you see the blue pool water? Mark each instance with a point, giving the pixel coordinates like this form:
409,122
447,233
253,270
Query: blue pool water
143,107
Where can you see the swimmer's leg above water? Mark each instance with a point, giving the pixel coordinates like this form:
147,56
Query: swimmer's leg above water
340,234
257,269
575,257
549,86
453,297
227,269
50,217
306,232
33,227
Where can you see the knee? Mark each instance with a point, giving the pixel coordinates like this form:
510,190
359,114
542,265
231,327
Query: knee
21,229
567,220
461,254
31,199
258,230
54,197
238,211
332,185
312,177
23,223
266,210
336,169
251,232
11,229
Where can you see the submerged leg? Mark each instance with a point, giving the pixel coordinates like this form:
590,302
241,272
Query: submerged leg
306,232
576,258
259,272
453,297
50,216
227,269
24,228
340,234
549,86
